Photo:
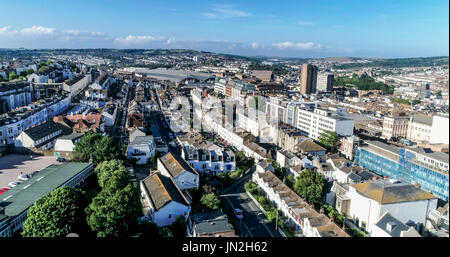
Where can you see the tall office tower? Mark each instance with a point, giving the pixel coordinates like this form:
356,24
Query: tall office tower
325,82
308,79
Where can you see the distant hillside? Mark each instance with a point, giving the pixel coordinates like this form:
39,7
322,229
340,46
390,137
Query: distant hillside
398,62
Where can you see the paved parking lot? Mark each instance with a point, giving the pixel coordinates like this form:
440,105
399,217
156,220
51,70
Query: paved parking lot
12,165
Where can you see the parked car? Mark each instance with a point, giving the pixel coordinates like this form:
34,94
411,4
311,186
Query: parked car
238,214
34,173
13,184
61,159
4,189
23,177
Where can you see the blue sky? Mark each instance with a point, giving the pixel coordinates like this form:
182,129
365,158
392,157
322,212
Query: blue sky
294,28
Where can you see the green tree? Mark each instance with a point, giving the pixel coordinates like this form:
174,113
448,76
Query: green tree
112,175
311,186
223,176
25,73
290,181
57,214
252,188
41,69
211,201
13,75
178,227
271,214
114,211
416,101
97,147
114,214
165,232
105,149
148,229
329,139
86,147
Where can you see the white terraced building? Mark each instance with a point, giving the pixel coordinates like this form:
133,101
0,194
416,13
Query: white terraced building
210,159
30,116
318,121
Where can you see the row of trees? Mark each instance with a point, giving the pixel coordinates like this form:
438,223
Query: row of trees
271,211
405,101
363,82
95,147
398,62
112,212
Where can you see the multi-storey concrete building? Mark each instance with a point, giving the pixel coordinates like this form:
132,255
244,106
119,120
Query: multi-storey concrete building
419,128
318,121
77,83
439,130
419,166
325,82
308,83
395,126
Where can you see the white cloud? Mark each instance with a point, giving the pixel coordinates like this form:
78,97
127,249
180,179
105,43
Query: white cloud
298,46
50,33
45,37
170,41
254,45
139,40
38,30
225,11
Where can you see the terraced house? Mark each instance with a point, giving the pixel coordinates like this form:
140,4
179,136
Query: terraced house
162,199
299,214
179,170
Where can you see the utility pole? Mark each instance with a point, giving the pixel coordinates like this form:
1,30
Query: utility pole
276,221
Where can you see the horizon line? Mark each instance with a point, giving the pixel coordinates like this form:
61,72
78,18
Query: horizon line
204,51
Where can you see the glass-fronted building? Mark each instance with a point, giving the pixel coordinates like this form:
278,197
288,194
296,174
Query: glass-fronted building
419,166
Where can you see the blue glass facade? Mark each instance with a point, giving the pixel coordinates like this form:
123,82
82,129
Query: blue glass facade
405,169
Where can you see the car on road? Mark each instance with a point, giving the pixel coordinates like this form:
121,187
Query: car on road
23,177
13,184
3,190
238,213
261,215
